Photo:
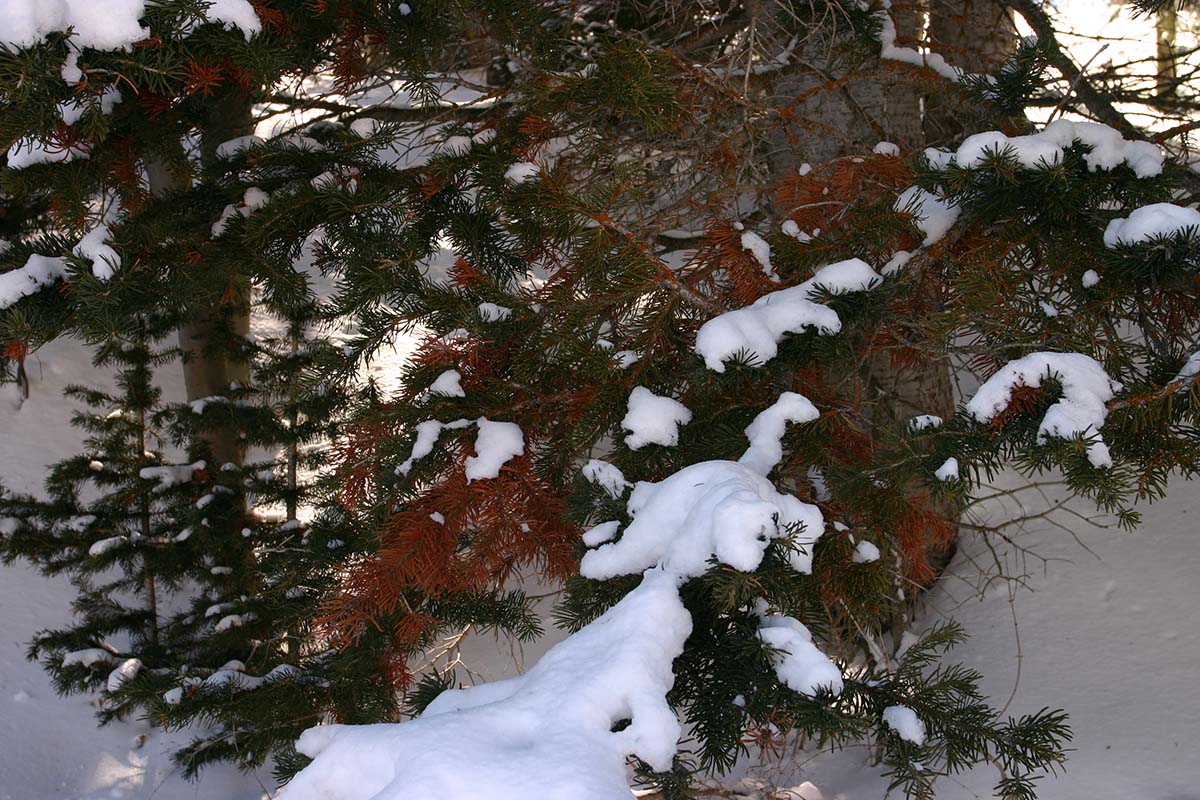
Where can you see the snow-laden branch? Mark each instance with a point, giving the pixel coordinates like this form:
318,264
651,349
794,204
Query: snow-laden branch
554,731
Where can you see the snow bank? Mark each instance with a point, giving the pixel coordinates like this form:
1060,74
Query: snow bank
1086,388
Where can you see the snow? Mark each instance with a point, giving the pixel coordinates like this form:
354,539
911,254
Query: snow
550,733
767,429
865,552
761,251
948,471
490,312
605,475
923,422
905,722
94,247
111,25
128,670
28,152
1086,388
86,658
1096,623
521,172
545,734
886,149
897,262
171,475
102,546
652,419
889,50
1189,370
719,508
448,384
38,273
1151,222
799,664
758,328
932,215
1044,149
427,436
496,443
1090,278
108,25
230,148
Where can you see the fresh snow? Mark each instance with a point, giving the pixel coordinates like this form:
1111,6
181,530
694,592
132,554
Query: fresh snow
605,475
651,419
94,247
490,312
545,734
1108,150
1086,388
1151,222
932,215
38,273
865,552
758,328
716,508
905,722
521,172
799,664
766,431
948,471
448,384
761,250
923,422
496,443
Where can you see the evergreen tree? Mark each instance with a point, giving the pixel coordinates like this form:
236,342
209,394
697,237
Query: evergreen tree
669,323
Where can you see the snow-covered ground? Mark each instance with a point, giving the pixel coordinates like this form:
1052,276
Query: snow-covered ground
1105,628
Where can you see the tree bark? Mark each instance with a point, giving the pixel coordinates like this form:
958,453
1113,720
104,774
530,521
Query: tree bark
208,368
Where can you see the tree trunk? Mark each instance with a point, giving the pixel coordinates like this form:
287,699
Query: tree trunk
208,368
